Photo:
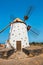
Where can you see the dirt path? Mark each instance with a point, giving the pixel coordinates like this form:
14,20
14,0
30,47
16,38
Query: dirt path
20,58
37,60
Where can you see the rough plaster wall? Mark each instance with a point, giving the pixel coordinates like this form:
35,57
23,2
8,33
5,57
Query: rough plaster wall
7,45
18,32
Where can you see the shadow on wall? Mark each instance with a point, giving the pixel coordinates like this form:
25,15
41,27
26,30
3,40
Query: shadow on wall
33,52
9,53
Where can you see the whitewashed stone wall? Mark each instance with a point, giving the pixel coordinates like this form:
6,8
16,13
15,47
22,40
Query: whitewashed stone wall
18,32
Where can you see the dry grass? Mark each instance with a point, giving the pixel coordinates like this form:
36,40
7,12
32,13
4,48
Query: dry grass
37,60
20,58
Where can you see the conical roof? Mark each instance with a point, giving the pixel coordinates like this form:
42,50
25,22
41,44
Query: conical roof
18,20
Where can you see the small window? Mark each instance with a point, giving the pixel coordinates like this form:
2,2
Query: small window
21,38
13,40
25,37
12,34
23,45
25,40
26,43
14,30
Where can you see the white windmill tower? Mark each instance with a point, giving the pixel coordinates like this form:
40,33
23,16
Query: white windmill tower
18,37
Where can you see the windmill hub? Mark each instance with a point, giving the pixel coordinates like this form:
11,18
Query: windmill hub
25,17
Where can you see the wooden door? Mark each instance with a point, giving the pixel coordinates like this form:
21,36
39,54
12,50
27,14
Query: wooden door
18,45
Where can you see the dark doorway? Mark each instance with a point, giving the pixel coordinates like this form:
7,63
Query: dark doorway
18,45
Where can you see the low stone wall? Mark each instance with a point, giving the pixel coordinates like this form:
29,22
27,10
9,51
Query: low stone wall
33,52
5,53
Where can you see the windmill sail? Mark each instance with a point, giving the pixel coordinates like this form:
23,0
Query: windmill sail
28,13
33,31
4,28
7,25
12,17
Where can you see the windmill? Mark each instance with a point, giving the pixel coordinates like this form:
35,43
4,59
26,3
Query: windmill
18,37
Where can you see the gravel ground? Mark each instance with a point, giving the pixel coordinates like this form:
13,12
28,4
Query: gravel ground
20,58
37,60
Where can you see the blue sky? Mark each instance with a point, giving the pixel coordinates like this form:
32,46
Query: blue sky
18,9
